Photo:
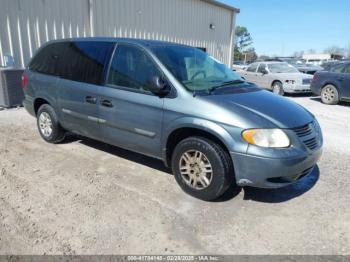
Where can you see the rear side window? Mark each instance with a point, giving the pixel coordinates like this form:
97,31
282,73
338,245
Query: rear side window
347,69
252,68
337,68
46,60
262,68
85,61
131,68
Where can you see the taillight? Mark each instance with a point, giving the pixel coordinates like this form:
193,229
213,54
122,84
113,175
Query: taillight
314,78
24,81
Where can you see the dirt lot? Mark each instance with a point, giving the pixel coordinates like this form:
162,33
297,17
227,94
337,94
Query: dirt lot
85,197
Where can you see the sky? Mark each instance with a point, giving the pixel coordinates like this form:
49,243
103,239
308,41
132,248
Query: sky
281,27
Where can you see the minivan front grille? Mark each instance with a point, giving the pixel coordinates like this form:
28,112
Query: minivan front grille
308,135
311,143
303,130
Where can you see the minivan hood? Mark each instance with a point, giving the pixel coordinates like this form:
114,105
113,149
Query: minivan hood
263,109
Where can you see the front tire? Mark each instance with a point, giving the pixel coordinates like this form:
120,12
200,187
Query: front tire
330,95
48,125
202,168
277,88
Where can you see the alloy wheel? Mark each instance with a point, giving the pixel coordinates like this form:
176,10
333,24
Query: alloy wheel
45,124
196,170
329,94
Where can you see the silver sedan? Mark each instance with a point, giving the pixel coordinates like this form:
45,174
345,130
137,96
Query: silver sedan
280,77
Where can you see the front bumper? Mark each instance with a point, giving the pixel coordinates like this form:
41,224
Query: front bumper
266,172
295,88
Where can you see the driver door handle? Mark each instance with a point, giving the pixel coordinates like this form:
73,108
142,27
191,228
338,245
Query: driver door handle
106,103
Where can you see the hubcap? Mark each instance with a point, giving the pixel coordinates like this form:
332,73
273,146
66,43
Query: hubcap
45,124
196,169
328,94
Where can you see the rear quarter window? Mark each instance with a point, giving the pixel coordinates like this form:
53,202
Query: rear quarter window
47,58
85,61
337,68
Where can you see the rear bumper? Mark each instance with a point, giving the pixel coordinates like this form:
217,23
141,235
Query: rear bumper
263,172
28,104
315,89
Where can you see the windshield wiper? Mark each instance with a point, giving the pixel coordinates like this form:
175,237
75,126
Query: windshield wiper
226,83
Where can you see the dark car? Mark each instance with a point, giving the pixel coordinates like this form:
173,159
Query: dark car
327,66
333,85
175,103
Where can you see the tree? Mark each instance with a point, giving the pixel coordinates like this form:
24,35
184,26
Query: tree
250,54
243,42
335,50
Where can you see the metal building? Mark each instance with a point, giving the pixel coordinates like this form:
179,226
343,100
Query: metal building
26,24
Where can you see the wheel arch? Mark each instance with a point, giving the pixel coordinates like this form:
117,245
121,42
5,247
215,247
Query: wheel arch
38,102
202,128
333,84
275,81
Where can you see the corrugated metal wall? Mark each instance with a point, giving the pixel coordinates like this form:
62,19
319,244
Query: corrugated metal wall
26,24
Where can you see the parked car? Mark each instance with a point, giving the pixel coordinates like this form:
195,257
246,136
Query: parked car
239,65
327,66
299,64
280,77
174,103
333,85
309,69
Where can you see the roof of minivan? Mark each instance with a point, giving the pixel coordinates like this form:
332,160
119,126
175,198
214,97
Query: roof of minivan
143,42
271,62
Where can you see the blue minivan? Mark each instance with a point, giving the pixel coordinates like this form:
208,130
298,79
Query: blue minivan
175,103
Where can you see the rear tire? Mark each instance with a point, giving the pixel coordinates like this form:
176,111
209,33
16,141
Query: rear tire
48,125
329,95
202,168
277,88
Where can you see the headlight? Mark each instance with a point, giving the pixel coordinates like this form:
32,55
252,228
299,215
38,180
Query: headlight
266,137
290,82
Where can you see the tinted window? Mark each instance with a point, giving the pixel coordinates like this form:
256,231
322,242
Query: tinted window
131,68
84,61
337,68
262,68
252,68
347,69
47,59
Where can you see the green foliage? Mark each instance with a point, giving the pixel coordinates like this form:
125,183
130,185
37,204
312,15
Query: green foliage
243,49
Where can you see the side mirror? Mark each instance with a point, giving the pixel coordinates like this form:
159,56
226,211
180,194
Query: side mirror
159,86
264,72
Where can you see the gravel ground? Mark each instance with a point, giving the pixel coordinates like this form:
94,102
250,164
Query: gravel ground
85,197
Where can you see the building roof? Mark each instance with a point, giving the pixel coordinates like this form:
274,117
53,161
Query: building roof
220,4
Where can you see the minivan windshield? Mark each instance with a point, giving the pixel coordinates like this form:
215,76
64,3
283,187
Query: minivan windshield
195,69
282,68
